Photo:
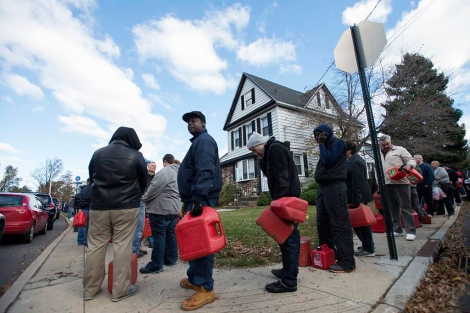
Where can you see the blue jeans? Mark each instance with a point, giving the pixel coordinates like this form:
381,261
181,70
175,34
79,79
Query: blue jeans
70,213
82,232
290,250
364,234
200,270
139,230
165,249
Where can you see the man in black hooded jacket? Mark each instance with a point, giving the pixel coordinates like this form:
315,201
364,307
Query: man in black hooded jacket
334,227
118,178
278,166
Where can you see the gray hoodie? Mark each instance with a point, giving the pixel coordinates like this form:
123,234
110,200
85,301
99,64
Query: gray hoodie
162,196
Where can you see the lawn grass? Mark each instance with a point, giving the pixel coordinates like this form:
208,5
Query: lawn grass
248,245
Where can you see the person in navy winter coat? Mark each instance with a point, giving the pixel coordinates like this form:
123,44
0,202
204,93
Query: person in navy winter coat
333,225
199,184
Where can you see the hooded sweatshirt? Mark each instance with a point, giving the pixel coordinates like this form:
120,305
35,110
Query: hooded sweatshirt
118,175
332,163
162,196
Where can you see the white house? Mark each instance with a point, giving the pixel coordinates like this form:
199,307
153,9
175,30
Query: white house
271,110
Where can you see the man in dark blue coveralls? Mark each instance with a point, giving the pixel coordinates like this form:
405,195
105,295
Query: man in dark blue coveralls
333,225
199,184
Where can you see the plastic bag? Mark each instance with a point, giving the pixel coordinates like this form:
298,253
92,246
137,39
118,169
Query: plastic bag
437,193
79,219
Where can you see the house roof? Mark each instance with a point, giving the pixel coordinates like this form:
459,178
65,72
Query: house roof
276,92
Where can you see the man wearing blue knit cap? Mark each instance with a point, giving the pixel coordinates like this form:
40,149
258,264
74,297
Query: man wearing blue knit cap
333,225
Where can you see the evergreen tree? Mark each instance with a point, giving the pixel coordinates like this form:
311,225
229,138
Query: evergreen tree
419,114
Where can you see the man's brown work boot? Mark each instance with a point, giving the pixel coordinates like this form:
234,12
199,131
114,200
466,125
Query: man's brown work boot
199,299
184,283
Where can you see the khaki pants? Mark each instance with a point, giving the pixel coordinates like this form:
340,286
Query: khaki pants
103,224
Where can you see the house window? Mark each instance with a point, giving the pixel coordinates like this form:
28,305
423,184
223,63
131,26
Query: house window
249,131
265,126
237,139
245,170
248,99
299,165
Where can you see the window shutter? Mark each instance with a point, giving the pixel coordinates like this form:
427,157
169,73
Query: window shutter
256,166
270,124
244,135
258,123
240,141
243,102
233,141
305,165
234,172
253,126
252,95
318,99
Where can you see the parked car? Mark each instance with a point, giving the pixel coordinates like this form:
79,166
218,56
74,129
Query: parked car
24,214
58,207
48,203
2,227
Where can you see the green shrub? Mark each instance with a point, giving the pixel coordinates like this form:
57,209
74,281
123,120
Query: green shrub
227,194
264,199
310,196
312,186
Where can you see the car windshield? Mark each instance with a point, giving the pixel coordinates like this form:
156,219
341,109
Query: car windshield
44,200
11,200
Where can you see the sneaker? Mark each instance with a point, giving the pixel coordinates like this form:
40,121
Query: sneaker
140,254
397,234
278,287
150,244
364,253
184,283
144,252
359,248
92,297
143,270
133,291
277,272
199,299
335,268
410,237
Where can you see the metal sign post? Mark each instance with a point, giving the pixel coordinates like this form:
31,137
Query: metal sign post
367,41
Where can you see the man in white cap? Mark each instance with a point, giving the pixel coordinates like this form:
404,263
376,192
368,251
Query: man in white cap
283,181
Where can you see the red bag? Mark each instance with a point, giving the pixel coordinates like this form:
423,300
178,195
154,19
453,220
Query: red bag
79,219
147,229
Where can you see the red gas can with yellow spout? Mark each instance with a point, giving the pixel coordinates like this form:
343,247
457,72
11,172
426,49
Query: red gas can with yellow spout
198,236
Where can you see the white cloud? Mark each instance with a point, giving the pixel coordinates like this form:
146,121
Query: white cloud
54,43
39,108
150,81
360,10
159,101
21,85
7,148
83,125
261,23
264,51
188,49
7,99
290,68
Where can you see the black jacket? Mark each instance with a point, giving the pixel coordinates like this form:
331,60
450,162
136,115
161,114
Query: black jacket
200,175
279,168
118,175
332,163
358,186
85,198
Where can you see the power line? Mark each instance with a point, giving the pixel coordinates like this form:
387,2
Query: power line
373,10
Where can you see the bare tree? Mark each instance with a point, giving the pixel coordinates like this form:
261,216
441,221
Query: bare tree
46,172
10,179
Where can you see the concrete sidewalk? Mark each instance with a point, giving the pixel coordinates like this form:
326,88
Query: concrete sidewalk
54,282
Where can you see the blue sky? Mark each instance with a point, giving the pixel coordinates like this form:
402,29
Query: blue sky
73,71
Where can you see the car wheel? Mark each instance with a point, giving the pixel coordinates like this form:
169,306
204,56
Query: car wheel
43,232
50,225
28,237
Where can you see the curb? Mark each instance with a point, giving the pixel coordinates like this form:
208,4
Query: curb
12,293
404,287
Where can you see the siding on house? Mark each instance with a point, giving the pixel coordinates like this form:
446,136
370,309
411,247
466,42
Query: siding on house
321,101
261,98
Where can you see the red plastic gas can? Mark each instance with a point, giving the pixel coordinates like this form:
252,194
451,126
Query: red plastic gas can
427,219
378,204
323,257
414,176
133,272
290,208
198,236
395,173
304,256
380,226
275,226
361,216
147,230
